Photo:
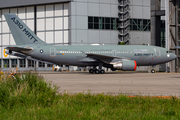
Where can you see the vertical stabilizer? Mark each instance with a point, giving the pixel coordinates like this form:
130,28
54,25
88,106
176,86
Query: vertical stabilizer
21,32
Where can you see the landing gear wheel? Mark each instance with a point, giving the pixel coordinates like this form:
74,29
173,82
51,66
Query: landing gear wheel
102,71
153,71
97,71
91,71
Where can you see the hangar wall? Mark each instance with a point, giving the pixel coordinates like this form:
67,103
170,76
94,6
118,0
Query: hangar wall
50,22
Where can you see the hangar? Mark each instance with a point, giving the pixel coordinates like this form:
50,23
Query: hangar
79,22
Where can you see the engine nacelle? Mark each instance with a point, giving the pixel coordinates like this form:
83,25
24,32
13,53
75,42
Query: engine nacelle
130,65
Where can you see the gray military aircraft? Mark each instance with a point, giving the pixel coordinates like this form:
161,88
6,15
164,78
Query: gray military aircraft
123,57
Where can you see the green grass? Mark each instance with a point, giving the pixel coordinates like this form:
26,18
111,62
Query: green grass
30,97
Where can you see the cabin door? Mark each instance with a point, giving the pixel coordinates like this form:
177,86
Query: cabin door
52,52
114,53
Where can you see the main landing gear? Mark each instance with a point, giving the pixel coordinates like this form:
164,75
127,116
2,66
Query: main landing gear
96,71
153,71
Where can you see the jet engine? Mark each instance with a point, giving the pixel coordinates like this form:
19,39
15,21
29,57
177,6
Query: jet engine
125,65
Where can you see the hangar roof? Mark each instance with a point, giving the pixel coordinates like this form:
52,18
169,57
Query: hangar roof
15,3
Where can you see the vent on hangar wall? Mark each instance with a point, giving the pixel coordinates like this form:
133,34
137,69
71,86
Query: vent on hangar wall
124,21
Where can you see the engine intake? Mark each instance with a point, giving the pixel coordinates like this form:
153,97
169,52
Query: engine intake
130,65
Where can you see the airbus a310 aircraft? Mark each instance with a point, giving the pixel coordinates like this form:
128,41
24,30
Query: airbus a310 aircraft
124,57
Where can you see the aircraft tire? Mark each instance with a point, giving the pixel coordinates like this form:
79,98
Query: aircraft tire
97,71
102,71
91,71
153,71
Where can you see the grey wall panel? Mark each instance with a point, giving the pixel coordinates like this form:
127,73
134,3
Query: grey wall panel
114,2
15,3
105,1
136,12
114,37
105,37
146,13
137,2
114,11
93,36
73,22
139,37
81,8
147,3
94,11
73,37
82,22
82,37
93,1
105,10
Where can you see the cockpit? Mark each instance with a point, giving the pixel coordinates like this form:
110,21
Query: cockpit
168,51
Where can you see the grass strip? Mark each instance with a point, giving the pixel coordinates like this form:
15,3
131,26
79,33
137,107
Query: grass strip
28,96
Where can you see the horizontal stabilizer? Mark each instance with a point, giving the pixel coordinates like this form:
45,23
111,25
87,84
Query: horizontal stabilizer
20,49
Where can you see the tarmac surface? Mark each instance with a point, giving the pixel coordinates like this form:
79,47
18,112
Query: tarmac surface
130,83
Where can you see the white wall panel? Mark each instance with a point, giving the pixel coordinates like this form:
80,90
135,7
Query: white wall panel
59,10
30,12
49,24
41,35
94,11
82,22
12,42
49,37
81,8
5,28
82,36
40,24
4,11
5,39
49,11
13,11
58,36
30,24
66,9
21,13
105,10
58,23
40,11
66,22
66,36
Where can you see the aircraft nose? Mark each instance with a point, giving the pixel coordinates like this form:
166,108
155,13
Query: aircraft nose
174,56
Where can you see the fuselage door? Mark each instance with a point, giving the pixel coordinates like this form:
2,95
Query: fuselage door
114,53
52,52
157,52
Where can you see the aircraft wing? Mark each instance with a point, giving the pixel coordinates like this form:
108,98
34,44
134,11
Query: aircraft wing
106,59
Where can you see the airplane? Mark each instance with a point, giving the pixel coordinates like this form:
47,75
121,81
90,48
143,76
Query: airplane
116,57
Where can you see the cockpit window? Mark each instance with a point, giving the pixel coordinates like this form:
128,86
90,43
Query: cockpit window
168,51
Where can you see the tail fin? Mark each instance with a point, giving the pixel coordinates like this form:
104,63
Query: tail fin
21,32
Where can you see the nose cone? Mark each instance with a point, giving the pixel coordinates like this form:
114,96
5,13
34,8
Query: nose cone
173,56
